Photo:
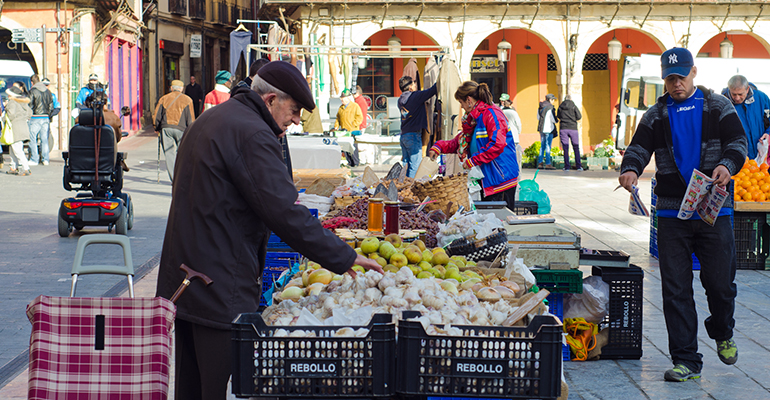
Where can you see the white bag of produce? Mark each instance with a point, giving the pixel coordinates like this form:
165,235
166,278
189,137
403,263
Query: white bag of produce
592,304
472,224
322,204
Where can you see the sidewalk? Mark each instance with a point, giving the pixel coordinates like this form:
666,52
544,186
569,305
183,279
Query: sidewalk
586,203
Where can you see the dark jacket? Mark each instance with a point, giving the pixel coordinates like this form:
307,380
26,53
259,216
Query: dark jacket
196,94
722,142
543,110
568,115
230,189
412,107
41,100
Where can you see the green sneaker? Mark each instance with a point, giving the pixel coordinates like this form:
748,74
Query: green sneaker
727,351
680,373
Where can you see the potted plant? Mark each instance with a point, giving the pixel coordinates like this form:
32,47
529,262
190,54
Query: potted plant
601,155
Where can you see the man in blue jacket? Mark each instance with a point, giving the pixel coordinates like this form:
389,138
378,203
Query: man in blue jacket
753,108
414,119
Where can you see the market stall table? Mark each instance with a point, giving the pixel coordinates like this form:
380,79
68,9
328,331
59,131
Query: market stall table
314,152
379,141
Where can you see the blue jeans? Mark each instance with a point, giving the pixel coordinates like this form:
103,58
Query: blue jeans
411,152
38,127
545,148
715,248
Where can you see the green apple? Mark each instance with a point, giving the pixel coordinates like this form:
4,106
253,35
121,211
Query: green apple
394,239
436,273
424,275
413,254
440,257
390,268
427,256
387,249
383,262
425,265
453,274
399,260
370,245
416,270
419,243
359,251
359,268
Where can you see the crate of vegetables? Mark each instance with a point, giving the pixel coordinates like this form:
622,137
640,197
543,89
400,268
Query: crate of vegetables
313,361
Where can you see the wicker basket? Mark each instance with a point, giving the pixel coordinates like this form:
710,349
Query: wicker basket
452,188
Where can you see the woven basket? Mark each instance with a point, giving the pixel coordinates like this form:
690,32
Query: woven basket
452,188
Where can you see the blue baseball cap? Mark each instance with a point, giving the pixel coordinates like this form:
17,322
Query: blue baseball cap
676,61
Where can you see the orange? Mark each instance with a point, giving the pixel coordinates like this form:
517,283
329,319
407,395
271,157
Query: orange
741,191
737,198
760,197
747,196
753,181
752,162
765,187
757,175
753,168
745,184
764,167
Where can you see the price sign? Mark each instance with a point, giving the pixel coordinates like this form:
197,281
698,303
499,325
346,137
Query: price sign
196,43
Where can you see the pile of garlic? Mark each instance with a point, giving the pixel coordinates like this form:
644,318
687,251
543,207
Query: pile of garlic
394,293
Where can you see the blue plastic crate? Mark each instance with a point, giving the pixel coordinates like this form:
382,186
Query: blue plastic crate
274,243
556,307
275,264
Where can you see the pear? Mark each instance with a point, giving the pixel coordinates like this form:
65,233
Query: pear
419,243
427,256
425,265
382,261
424,275
413,254
440,258
394,239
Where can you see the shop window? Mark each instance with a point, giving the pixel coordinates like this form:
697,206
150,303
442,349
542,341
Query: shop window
376,81
197,9
177,7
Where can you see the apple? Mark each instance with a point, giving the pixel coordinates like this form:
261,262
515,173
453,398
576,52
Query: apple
320,276
359,251
359,268
427,256
374,255
394,239
453,274
390,268
436,273
424,275
416,270
425,265
387,249
413,254
399,260
440,258
383,262
370,245
419,243
437,249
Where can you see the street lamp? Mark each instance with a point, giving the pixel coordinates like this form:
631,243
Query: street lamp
614,48
504,50
394,43
726,48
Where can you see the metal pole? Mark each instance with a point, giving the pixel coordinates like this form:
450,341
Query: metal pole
58,73
45,55
158,80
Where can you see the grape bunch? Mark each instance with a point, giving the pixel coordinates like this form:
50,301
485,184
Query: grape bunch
406,220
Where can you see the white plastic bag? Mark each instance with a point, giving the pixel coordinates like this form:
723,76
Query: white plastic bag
761,152
593,304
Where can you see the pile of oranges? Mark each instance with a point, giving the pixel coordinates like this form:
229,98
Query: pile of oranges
752,183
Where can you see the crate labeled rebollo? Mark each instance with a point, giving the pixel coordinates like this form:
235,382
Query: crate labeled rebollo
313,361
752,240
625,316
482,362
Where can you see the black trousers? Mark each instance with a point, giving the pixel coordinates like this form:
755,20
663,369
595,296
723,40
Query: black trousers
203,362
508,196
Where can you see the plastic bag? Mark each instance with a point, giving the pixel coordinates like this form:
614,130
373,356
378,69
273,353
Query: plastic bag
593,304
761,152
540,197
475,175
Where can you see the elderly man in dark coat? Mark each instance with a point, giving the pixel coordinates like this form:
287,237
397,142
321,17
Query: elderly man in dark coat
230,190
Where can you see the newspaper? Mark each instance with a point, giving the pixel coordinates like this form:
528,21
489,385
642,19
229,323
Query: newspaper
635,204
702,196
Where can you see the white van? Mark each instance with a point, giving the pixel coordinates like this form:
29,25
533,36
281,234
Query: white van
12,71
642,85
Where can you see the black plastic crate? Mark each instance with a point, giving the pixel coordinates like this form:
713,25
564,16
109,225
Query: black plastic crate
752,239
324,366
625,316
525,207
485,362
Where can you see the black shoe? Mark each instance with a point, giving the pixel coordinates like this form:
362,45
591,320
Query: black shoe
540,165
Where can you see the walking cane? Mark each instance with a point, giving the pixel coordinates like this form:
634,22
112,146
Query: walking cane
157,166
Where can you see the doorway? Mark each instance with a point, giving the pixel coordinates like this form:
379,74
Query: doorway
497,82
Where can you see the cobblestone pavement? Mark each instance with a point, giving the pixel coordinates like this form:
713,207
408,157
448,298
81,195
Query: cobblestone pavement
584,202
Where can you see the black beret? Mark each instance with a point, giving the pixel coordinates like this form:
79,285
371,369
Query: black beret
287,78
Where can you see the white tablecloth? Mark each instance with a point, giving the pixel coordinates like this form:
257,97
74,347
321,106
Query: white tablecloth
312,152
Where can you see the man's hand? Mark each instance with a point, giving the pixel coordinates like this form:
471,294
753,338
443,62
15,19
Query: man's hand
721,176
432,154
628,180
367,263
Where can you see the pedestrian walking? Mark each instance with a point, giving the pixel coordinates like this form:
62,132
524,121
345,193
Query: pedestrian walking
414,118
17,111
514,124
690,127
486,142
41,103
349,114
230,191
546,125
195,92
172,116
753,108
221,92
568,116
